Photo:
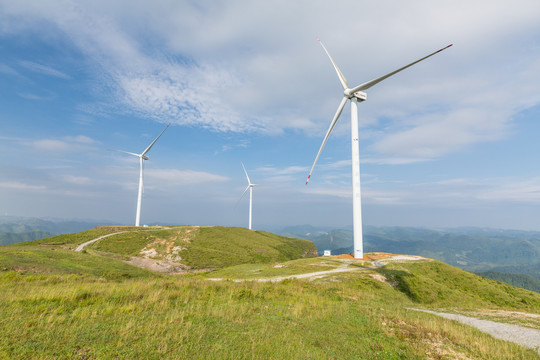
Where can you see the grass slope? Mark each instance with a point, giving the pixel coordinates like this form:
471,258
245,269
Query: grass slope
438,284
209,247
58,304
347,316
46,260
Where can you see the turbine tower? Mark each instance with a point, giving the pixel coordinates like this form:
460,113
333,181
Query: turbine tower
355,95
142,158
250,188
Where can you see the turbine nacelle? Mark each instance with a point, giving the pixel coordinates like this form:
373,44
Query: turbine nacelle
359,95
144,157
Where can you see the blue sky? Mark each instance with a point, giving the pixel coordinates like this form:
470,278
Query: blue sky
451,141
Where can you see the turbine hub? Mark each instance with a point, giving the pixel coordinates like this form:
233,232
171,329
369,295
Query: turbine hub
348,93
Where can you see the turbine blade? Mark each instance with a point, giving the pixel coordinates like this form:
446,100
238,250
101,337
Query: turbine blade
152,144
125,152
339,73
249,181
369,84
244,193
334,121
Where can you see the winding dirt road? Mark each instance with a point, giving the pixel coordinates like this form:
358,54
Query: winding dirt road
81,247
520,335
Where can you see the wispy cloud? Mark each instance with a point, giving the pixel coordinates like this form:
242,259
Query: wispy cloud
66,144
43,69
522,191
20,186
39,97
4,69
174,177
239,78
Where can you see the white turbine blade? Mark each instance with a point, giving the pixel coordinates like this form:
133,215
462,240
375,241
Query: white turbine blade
249,181
244,193
369,84
334,121
339,73
152,144
126,152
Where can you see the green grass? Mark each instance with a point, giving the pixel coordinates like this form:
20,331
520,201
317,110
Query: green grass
210,247
79,238
58,304
61,317
293,267
39,260
216,247
439,284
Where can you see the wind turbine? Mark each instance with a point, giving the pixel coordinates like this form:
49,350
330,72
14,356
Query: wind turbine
142,157
356,95
250,188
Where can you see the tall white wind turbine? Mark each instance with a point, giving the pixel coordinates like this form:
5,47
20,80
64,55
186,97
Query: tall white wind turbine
356,95
250,188
142,158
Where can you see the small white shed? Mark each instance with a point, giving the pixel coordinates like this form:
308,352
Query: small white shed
327,253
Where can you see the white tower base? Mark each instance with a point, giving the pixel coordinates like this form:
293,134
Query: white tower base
357,198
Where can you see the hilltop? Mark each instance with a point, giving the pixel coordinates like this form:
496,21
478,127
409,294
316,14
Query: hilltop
171,249
273,304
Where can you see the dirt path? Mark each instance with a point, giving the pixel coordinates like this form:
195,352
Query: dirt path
523,336
310,276
81,247
314,275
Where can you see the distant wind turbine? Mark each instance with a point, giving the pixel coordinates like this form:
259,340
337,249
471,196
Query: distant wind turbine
250,188
142,157
356,95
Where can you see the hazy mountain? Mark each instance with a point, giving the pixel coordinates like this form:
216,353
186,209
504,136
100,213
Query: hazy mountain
7,238
519,280
15,229
472,249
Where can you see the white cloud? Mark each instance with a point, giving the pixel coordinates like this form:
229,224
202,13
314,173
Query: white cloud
78,180
288,170
257,67
174,177
329,191
80,139
20,186
66,144
523,191
4,69
51,145
43,69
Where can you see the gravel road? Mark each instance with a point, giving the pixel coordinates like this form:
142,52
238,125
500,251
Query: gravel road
81,247
521,335
310,276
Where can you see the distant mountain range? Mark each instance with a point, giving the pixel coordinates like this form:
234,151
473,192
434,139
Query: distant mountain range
14,229
472,249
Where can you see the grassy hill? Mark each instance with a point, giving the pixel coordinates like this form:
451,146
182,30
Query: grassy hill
189,247
56,303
